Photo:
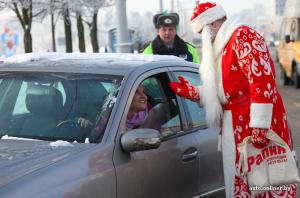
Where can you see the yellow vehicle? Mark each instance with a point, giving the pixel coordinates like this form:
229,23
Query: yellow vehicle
289,51
289,44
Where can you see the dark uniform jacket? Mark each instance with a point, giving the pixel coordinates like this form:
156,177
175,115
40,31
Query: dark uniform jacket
180,49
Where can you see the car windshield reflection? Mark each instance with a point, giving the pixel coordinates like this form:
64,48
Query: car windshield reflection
56,106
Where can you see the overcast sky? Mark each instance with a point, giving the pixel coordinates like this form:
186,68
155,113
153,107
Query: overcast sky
231,6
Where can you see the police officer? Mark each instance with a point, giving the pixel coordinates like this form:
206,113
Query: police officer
168,42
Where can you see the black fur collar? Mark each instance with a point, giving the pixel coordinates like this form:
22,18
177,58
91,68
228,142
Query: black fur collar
158,46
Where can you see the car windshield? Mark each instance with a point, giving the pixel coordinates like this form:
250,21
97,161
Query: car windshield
56,106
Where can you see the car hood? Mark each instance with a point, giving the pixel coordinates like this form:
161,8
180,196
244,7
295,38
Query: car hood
21,157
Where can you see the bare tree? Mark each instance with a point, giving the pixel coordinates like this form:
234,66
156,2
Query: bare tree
26,10
84,11
78,7
61,8
143,32
68,27
80,30
54,7
53,32
93,7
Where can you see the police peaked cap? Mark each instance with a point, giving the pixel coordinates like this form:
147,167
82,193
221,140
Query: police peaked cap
170,19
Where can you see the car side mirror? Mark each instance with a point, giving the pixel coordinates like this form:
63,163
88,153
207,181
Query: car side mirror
140,140
287,38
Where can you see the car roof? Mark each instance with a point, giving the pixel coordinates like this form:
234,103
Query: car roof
98,63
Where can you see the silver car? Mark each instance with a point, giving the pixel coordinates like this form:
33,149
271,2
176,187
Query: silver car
44,152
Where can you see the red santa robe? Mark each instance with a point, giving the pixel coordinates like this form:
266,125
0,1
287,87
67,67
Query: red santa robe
246,88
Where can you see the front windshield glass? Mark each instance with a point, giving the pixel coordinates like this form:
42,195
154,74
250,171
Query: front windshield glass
56,106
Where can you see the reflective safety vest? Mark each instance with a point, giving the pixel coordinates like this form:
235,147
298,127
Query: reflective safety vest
191,55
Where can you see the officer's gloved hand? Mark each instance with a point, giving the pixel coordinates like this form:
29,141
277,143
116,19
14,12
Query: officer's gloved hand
258,137
185,89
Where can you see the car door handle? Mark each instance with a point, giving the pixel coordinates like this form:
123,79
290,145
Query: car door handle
189,154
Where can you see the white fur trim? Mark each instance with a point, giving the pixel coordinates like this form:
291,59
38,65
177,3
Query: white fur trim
261,115
213,91
228,151
207,72
220,88
207,17
224,34
200,91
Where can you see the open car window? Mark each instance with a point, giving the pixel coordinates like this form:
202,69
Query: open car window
162,108
46,106
195,112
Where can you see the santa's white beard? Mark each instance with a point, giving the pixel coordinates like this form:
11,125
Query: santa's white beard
209,96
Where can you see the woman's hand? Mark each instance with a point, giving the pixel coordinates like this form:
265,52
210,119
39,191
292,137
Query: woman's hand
82,122
185,89
258,137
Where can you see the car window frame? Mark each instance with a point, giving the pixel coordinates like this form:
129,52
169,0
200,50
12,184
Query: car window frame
192,121
185,106
164,94
294,30
136,83
287,28
282,30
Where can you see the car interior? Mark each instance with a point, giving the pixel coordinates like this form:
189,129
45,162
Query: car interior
45,104
41,106
163,102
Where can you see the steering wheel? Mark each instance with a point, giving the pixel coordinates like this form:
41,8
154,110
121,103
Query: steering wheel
70,122
71,129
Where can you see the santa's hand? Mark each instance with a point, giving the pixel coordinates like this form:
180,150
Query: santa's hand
185,89
258,137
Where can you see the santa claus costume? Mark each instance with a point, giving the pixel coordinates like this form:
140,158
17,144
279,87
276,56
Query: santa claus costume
239,87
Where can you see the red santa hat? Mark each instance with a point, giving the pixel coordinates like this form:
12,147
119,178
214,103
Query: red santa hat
204,14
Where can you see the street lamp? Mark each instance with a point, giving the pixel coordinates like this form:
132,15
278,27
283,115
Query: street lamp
123,44
160,6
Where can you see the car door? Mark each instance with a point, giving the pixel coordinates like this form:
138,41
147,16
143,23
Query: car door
211,179
169,171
